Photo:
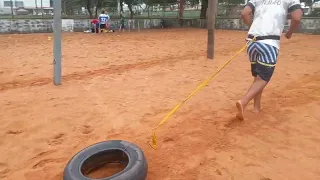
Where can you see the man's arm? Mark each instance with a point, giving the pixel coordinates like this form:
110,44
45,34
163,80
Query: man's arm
108,18
296,14
247,12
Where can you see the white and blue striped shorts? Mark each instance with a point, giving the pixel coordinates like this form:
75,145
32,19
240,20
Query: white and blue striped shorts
262,53
263,58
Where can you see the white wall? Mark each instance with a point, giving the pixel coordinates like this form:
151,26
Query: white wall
1,4
32,3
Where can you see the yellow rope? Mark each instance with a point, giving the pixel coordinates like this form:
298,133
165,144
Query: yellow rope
204,83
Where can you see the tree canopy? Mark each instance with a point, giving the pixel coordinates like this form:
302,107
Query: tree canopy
93,6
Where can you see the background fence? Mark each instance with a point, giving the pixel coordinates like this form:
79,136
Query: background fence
79,9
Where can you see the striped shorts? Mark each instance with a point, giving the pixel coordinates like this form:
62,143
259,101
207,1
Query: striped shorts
263,58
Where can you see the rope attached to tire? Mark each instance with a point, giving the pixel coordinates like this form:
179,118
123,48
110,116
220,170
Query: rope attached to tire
203,84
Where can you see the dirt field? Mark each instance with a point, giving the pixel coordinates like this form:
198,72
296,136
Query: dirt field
120,87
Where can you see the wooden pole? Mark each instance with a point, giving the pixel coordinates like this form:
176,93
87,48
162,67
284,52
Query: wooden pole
211,16
181,9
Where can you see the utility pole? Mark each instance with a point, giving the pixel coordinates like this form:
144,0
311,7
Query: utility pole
11,6
36,3
57,27
181,9
211,17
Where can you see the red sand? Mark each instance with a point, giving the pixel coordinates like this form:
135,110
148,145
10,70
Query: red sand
120,87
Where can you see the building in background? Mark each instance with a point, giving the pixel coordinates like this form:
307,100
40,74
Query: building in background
26,3
36,3
26,7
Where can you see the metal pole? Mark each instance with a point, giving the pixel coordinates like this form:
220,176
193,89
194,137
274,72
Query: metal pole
11,6
42,9
211,13
36,2
57,28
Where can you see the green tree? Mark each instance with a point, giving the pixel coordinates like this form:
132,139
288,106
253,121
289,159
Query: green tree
204,6
309,3
101,4
69,6
193,2
164,3
130,4
92,6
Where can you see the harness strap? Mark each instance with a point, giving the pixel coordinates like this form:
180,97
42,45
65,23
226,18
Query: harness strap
273,37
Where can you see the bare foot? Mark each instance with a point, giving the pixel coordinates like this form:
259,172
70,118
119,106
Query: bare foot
240,110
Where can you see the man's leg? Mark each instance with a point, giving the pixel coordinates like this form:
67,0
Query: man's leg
263,58
257,102
257,99
103,27
255,90
253,57
100,28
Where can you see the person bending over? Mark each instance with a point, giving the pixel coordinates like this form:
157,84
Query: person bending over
266,25
95,26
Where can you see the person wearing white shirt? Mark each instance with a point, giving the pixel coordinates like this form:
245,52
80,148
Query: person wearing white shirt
103,20
266,26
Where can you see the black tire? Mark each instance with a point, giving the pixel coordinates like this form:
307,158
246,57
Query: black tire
112,151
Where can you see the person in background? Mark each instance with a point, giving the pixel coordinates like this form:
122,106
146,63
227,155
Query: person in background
103,20
122,22
95,26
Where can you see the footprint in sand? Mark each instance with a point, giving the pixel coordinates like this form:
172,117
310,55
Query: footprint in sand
86,129
43,154
168,139
44,162
57,139
218,171
14,132
41,159
4,170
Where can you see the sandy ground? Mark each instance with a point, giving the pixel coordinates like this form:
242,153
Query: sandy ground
120,87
